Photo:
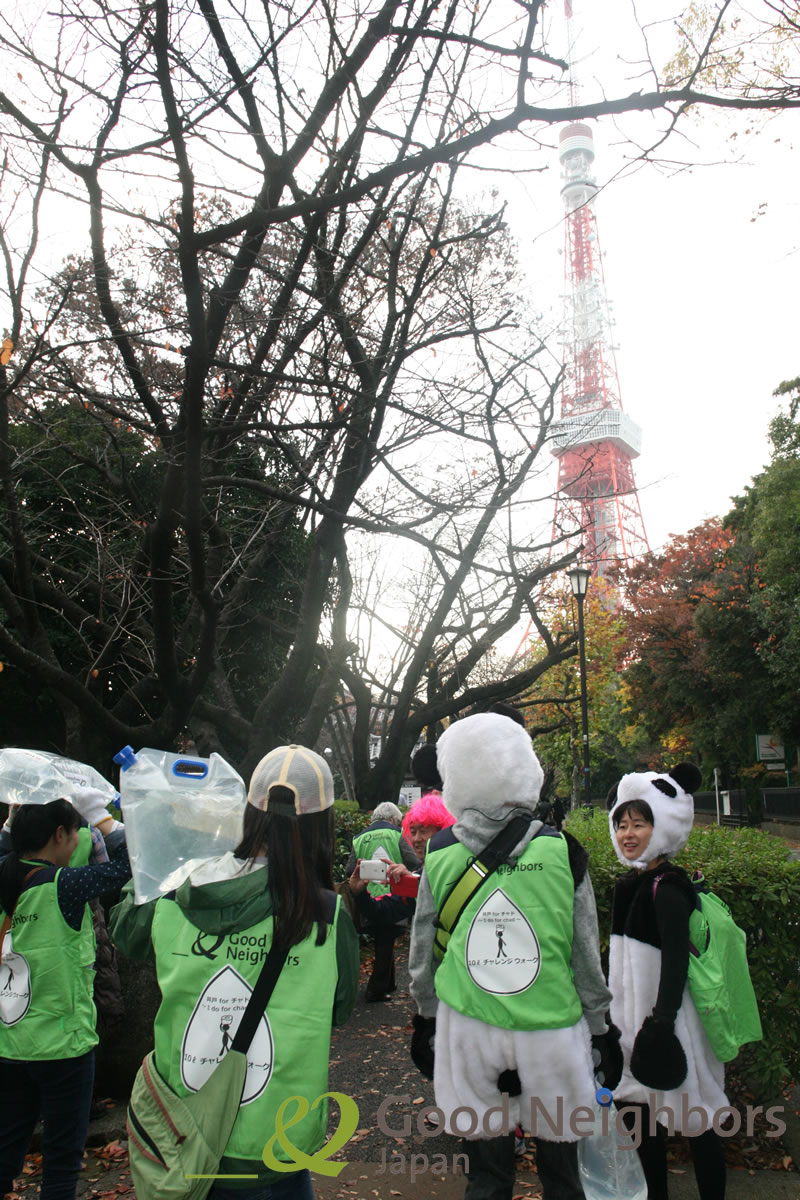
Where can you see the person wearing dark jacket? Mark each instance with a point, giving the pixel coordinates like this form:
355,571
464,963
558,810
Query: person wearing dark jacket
47,1014
383,840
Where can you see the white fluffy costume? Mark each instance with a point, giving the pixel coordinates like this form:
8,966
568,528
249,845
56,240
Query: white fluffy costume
491,774
648,961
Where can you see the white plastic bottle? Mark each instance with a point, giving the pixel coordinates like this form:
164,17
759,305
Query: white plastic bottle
609,1166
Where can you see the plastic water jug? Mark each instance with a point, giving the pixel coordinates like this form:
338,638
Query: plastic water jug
608,1164
39,777
178,811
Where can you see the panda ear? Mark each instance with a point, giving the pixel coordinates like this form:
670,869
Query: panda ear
687,776
612,796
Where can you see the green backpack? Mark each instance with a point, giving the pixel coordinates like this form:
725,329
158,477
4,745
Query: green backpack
719,978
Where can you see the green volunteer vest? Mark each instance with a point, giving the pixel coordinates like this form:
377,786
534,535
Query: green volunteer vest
369,843
80,855
46,981
508,958
205,981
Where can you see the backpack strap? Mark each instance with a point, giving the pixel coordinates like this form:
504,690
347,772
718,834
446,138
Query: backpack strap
259,999
478,869
699,885
265,984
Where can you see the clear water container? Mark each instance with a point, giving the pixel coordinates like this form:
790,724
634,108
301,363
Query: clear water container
610,1168
39,777
178,811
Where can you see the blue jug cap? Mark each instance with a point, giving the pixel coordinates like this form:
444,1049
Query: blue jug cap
125,758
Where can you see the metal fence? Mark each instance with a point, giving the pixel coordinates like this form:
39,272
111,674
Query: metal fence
781,803
778,804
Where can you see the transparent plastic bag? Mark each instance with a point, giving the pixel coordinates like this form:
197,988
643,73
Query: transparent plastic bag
178,811
39,777
609,1167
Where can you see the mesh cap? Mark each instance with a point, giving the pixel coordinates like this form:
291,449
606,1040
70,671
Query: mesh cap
306,775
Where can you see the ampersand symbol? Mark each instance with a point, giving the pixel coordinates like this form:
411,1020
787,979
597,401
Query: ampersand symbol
296,1159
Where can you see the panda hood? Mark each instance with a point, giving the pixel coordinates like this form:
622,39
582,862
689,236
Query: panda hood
489,768
670,798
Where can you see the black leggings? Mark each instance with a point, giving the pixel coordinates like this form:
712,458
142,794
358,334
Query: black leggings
706,1150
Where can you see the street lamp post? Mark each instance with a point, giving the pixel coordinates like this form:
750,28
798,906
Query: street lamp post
579,582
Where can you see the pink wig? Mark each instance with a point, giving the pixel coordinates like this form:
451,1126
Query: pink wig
428,810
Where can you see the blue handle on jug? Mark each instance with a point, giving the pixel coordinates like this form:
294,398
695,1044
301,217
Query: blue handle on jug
190,768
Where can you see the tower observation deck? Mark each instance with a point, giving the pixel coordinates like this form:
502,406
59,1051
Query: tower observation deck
597,504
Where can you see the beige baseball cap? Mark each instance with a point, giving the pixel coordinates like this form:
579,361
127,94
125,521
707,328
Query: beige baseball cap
306,775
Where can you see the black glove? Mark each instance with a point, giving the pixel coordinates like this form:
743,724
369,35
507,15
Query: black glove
609,1067
658,1060
422,1044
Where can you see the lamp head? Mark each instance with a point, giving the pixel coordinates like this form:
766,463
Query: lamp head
579,580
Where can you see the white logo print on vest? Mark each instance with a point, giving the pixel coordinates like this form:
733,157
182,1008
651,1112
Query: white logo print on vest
15,984
502,950
210,1032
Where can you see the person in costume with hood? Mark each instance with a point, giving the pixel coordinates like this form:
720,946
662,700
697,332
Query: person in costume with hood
509,1018
210,938
668,1060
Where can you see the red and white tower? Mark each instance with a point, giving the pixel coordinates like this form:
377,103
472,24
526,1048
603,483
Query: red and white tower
594,440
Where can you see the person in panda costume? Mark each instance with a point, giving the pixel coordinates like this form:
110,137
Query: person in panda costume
510,1017
669,1065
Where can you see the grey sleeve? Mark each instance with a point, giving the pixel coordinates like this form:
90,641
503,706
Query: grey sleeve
586,969
421,966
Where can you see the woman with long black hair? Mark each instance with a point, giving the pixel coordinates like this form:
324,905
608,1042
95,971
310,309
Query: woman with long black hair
210,938
47,1013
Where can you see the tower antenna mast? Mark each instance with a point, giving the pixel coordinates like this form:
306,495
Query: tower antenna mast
597,504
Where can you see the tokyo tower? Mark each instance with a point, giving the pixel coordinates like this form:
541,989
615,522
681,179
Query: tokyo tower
597,504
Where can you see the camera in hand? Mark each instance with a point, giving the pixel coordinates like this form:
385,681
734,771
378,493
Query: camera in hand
373,869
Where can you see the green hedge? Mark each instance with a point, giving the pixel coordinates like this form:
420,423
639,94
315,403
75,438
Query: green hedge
348,823
752,872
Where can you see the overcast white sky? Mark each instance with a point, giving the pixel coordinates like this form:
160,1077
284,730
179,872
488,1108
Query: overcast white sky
702,270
